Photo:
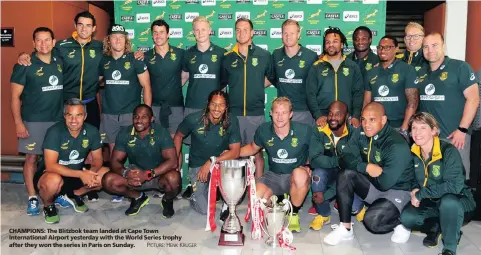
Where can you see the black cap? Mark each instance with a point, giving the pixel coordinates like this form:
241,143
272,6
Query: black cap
117,29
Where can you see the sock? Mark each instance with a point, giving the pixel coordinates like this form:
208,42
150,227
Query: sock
30,197
295,209
141,194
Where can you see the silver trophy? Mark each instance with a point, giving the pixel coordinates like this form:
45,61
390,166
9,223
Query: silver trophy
276,219
232,186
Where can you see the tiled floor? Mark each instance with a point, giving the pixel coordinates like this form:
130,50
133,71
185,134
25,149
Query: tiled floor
190,226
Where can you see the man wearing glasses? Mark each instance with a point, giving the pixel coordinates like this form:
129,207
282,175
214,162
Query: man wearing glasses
392,83
413,55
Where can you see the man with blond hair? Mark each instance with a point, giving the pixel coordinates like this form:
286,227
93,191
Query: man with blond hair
286,143
413,38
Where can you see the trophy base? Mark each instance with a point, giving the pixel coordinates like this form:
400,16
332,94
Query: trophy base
228,239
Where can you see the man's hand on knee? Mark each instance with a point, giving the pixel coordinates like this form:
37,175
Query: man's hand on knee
318,197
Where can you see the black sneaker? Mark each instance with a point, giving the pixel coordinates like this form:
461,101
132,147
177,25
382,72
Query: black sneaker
77,203
447,252
137,204
93,196
168,206
432,239
188,192
51,215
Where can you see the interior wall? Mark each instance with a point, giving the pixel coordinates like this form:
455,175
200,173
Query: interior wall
435,19
53,14
473,36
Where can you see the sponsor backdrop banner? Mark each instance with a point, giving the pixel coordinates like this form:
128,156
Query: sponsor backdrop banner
314,17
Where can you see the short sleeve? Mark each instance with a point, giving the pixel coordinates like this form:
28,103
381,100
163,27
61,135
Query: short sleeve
140,66
410,82
185,127
234,134
258,140
466,76
101,67
52,140
166,141
121,140
94,137
19,75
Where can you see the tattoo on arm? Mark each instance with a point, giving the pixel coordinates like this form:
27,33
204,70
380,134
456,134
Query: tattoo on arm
412,96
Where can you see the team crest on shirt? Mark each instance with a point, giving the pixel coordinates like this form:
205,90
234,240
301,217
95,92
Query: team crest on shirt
270,142
436,171
378,156
255,62
327,146
294,142
368,66
127,65
302,63
71,54
443,76
107,65
395,78
59,67
131,143
200,130
221,131
373,80
92,53
325,72
39,72
192,60
417,68
152,141
234,64
345,71
173,56
364,150
64,146
152,60
85,143
214,58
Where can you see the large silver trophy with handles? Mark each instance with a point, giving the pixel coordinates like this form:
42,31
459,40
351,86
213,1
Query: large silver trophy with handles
276,221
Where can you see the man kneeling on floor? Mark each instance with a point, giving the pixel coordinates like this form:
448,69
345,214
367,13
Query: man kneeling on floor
379,169
151,154
287,145
61,170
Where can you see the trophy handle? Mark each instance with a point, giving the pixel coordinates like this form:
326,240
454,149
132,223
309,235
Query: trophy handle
287,206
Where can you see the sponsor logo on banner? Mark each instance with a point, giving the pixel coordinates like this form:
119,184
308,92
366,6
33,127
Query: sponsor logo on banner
314,1
374,32
175,16
296,1
278,16
176,33
276,32
210,15
245,15
264,46
277,4
161,16
190,36
190,16
350,16
143,2
370,18
260,32
313,18
144,35
175,4
158,3
143,17
352,1
243,1
127,18
225,16
296,15
313,32
143,48
332,15
332,3
131,33
207,2
191,1
212,32
226,32
316,48
225,4
127,5
229,47
260,2
259,18
370,1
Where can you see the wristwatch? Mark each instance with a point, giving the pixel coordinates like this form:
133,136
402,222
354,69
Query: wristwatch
464,130
150,174
404,132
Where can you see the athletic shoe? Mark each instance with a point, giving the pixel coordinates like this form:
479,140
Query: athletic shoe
77,203
137,204
117,199
339,234
294,223
51,215
32,208
312,211
401,234
188,192
93,196
447,252
319,221
360,215
432,239
60,201
168,206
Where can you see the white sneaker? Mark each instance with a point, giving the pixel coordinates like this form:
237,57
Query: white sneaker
401,234
339,234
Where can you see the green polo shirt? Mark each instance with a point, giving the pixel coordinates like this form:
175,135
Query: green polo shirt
441,92
81,67
284,154
122,86
415,59
387,86
72,152
291,75
166,76
210,141
366,63
326,85
204,70
246,78
145,153
42,95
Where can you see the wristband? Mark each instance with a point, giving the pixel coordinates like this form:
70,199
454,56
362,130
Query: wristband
403,132
464,130
149,175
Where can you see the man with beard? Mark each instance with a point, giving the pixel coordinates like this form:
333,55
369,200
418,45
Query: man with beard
391,83
164,63
413,38
326,145
151,154
247,66
214,133
334,78
363,55
378,167
449,91
286,143
292,63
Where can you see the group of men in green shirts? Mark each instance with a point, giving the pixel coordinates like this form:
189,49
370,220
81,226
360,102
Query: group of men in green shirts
310,91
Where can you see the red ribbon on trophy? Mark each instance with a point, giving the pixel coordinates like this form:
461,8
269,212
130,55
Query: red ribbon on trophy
253,206
285,239
212,196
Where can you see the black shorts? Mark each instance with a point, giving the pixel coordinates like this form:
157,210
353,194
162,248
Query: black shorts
69,183
93,113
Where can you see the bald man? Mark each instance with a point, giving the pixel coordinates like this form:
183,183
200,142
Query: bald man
378,167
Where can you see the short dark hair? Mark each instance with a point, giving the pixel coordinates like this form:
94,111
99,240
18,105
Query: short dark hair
246,20
362,28
74,102
160,23
85,14
392,38
149,109
43,29
334,30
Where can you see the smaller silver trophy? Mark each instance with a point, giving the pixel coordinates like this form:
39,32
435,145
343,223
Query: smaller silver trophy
276,219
